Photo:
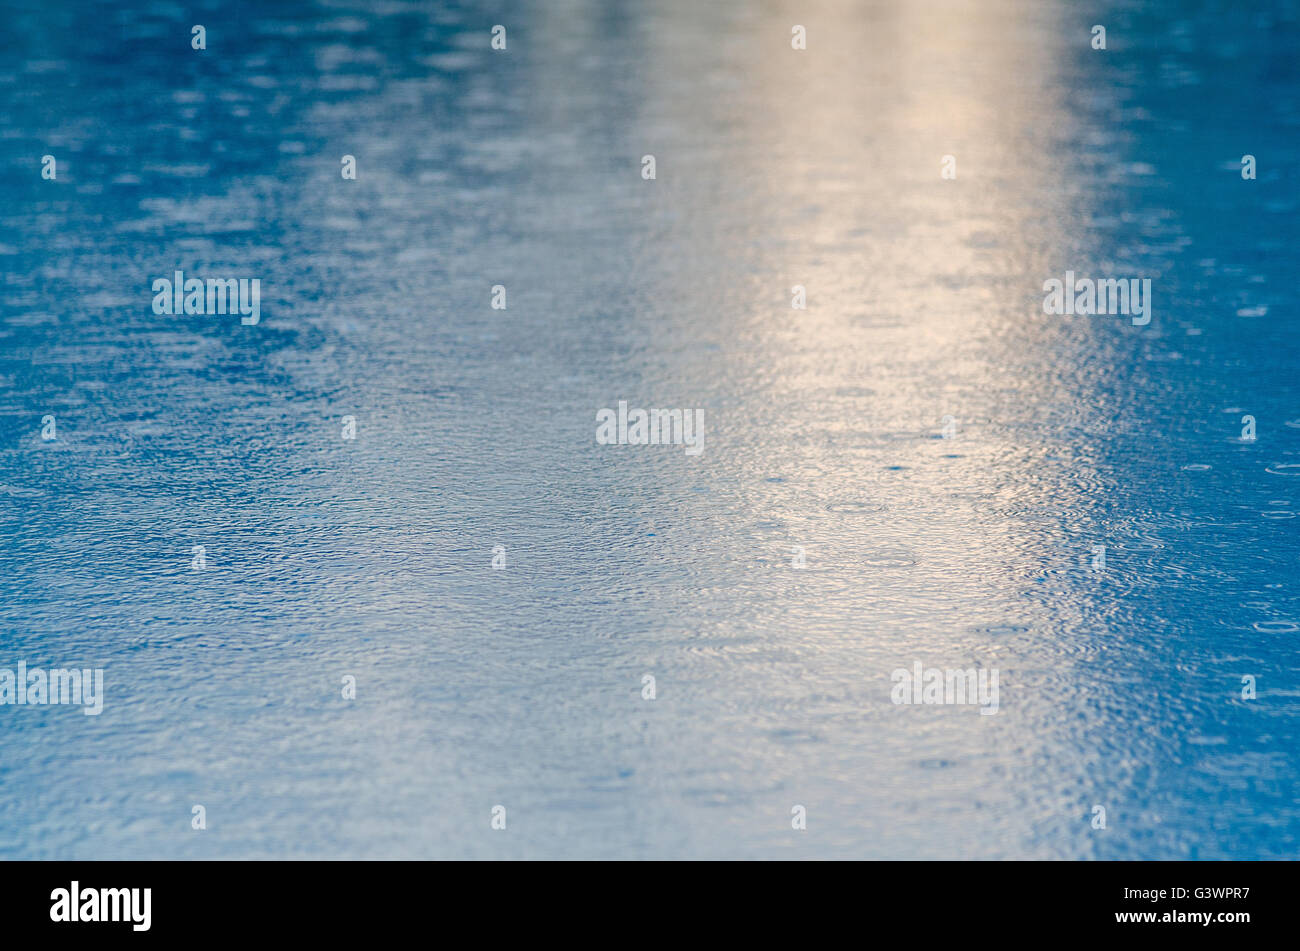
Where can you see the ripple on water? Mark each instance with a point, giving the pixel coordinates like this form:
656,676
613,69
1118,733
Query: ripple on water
1000,630
889,561
855,508
1276,627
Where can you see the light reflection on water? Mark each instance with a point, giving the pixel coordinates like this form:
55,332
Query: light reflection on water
522,687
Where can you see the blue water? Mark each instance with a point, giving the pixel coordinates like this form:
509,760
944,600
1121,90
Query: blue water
522,687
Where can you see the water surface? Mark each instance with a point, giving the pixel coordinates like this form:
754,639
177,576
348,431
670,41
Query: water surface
522,687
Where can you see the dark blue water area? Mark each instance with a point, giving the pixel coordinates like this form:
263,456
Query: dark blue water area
944,456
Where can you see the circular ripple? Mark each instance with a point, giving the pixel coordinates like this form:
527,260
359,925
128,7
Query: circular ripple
855,507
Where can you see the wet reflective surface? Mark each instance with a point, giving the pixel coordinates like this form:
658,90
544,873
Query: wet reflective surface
825,431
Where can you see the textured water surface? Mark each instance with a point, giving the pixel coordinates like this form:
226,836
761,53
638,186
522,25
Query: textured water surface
824,429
